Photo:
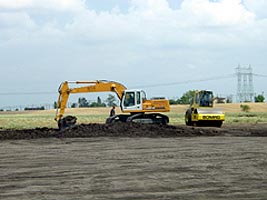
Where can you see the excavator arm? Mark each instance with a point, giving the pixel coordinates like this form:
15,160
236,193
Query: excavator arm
88,86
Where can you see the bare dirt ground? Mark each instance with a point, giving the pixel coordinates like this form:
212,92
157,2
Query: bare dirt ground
133,161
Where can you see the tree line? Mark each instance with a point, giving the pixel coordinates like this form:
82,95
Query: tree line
83,102
111,101
187,96
184,99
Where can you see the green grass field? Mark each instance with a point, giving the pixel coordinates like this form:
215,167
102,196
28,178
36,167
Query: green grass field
33,119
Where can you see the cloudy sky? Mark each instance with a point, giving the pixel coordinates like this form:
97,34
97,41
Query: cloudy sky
159,45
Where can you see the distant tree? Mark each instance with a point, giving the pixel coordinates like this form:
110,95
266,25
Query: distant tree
99,101
111,100
35,108
185,99
82,102
173,102
74,105
229,99
245,108
95,104
55,105
259,98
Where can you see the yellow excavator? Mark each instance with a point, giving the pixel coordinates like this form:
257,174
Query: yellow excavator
201,111
133,101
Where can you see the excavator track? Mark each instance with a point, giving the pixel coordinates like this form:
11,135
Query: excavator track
151,118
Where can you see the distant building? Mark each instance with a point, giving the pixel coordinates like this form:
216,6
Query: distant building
219,100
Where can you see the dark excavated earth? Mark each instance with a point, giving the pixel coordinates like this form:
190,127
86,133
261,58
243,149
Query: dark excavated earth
136,130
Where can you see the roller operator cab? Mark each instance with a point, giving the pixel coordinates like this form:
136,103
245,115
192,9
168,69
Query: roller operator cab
202,112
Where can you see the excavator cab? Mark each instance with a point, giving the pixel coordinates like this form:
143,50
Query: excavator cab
133,100
141,109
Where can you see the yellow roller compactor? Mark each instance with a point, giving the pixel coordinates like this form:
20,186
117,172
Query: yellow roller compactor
133,101
201,111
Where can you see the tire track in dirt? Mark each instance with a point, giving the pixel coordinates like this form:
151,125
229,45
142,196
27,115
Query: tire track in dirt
134,168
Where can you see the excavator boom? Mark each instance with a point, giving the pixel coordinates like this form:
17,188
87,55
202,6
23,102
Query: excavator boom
90,86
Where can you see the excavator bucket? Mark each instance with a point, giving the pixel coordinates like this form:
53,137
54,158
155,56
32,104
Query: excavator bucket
67,122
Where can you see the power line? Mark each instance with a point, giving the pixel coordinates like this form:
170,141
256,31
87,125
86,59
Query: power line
259,75
26,93
188,81
142,86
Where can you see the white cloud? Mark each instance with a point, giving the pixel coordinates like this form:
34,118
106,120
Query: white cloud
32,20
15,4
15,26
60,5
218,13
16,20
150,22
55,40
147,22
257,6
150,5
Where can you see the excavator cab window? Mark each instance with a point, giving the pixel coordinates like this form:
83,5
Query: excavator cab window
138,97
143,95
129,99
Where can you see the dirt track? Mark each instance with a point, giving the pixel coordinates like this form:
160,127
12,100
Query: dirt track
126,165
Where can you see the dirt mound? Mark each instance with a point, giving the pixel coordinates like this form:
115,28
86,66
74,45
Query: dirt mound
134,130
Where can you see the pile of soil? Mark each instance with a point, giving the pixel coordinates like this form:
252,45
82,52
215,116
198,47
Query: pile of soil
134,130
